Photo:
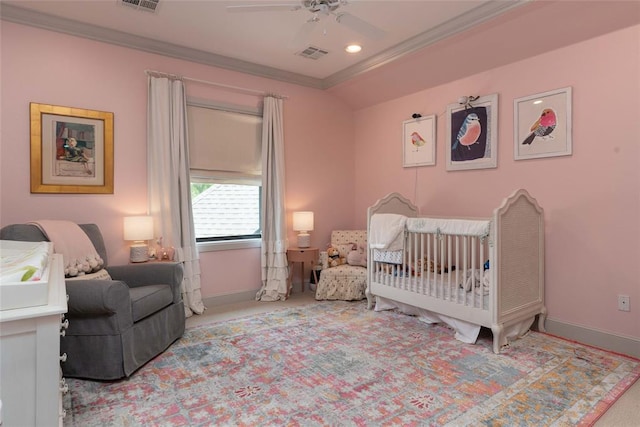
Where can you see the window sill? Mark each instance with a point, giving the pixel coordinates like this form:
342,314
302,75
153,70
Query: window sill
228,245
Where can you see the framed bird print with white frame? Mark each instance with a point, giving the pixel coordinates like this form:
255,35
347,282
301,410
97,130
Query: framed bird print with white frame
419,141
542,125
471,141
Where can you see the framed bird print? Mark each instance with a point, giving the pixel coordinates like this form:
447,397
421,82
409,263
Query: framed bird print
542,125
419,141
471,141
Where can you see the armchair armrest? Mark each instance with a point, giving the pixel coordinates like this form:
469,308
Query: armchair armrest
99,297
151,273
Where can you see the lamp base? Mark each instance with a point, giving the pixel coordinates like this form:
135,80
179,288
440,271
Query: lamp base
139,253
304,240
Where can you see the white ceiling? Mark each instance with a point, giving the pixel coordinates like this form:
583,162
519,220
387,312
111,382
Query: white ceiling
428,42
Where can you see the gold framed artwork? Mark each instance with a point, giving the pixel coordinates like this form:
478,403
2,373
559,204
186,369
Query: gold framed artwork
71,150
419,141
472,134
542,125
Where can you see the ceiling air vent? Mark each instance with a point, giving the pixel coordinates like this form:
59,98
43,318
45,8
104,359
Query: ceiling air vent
148,5
312,52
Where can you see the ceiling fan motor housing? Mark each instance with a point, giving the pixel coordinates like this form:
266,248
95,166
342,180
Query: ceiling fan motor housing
322,6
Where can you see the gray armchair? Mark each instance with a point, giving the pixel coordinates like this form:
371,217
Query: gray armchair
116,326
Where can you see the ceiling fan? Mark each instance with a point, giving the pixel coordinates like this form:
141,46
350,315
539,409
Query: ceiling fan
317,8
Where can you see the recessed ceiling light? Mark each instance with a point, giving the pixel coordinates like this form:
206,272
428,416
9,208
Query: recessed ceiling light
353,48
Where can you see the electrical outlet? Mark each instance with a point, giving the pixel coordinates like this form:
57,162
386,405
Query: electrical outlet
623,302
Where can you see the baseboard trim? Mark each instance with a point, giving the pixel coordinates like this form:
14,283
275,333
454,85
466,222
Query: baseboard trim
605,340
233,298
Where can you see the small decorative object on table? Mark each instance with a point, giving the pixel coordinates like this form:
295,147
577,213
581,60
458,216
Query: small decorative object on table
164,253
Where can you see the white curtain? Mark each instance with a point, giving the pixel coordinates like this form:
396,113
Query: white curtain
275,269
168,181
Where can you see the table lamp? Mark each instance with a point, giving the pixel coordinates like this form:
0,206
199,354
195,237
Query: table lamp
139,229
303,222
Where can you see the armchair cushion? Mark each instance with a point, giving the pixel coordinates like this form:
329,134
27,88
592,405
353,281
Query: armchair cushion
146,300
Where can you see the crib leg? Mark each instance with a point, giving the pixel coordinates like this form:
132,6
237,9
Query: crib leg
369,299
497,331
541,318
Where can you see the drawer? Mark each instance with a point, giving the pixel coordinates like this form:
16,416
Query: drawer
302,255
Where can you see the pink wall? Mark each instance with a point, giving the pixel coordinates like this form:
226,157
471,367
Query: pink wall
51,68
591,199
339,161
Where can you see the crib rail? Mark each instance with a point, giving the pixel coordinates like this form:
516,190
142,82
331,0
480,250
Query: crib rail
446,267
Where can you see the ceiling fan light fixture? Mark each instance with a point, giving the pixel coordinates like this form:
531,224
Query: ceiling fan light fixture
353,48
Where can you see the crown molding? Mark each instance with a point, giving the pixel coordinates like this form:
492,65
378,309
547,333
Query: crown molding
449,28
45,21
68,26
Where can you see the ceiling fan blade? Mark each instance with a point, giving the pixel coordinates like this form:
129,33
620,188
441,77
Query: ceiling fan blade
263,7
303,36
359,26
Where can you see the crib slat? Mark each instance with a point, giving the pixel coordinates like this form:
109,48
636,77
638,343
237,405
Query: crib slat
422,264
429,256
435,260
474,262
465,259
416,274
482,272
439,278
457,264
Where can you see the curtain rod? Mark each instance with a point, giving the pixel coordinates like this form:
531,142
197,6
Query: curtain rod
221,85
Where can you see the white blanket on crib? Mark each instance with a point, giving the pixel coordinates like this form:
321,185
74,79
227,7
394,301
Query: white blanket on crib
477,279
387,231
460,227
464,331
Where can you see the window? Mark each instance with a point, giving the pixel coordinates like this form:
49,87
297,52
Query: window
225,152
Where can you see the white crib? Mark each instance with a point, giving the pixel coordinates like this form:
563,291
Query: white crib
493,279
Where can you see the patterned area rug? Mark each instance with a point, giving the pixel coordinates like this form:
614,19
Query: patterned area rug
336,363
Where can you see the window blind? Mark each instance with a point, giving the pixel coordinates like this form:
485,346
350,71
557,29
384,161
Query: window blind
224,146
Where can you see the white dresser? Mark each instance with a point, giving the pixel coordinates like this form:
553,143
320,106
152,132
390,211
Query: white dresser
31,386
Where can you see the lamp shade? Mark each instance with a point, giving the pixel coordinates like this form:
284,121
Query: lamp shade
138,228
303,221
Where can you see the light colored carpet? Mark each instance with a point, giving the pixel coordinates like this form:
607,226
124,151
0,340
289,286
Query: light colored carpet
329,363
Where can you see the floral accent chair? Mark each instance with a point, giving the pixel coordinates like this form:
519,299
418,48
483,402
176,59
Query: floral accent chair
344,282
